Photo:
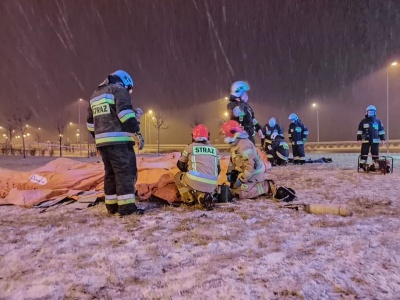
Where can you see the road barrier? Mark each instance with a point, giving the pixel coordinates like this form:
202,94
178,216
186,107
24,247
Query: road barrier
47,149
334,146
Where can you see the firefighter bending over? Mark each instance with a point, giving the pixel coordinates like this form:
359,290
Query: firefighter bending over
200,167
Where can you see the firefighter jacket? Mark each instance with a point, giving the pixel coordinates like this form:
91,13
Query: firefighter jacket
268,131
281,148
200,161
298,133
371,130
246,160
111,117
243,113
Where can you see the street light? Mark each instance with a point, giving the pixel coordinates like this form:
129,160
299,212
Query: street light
316,106
387,104
147,126
79,113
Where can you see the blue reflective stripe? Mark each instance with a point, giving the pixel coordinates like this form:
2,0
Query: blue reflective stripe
126,114
113,134
202,179
202,175
90,126
359,132
108,98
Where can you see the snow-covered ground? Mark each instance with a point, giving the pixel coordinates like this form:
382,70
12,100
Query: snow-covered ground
251,249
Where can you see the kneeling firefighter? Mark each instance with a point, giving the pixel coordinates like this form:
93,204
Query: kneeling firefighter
278,150
246,170
200,167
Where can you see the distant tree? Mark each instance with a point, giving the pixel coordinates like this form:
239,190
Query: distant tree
19,119
38,138
159,123
61,123
10,128
196,122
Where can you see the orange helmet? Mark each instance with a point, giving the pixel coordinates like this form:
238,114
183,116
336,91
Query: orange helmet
200,133
229,128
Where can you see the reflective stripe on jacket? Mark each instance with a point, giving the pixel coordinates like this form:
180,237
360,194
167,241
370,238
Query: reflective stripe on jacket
111,117
202,161
371,130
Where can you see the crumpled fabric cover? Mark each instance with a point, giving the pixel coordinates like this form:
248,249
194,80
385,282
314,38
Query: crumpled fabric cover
68,177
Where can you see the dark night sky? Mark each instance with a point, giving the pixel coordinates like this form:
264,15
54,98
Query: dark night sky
183,53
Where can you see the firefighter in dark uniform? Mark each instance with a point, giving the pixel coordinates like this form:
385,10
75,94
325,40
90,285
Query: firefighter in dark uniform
274,144
298,134
241,112
113,123
370,133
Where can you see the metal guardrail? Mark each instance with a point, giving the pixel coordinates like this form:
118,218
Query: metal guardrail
343,146
331,146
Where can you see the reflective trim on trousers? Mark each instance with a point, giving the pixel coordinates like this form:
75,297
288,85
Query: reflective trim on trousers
200,179
126,199
281,156
111,199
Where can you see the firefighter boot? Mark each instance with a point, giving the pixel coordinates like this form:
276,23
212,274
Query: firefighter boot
129,209
364,167
206,200
112,208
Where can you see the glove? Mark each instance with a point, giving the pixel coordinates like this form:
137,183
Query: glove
304,141
241,177
260,134
383,143
238,184
228,177
141,140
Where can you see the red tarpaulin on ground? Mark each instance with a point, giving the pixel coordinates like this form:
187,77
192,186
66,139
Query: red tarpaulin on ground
68,177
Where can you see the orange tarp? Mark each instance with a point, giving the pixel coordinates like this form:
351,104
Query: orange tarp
67,177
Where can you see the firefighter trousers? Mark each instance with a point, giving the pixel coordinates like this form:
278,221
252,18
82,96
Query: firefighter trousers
120,173
365,148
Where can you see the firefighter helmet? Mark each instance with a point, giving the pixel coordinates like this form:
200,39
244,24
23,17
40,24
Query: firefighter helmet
229,128
371,111
200,133
239,88
371,107
272,122
126,79
283,193
293,117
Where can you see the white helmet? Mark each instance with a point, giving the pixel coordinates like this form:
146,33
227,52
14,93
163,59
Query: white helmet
239,88
371,111
293,117
371,107
272,122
